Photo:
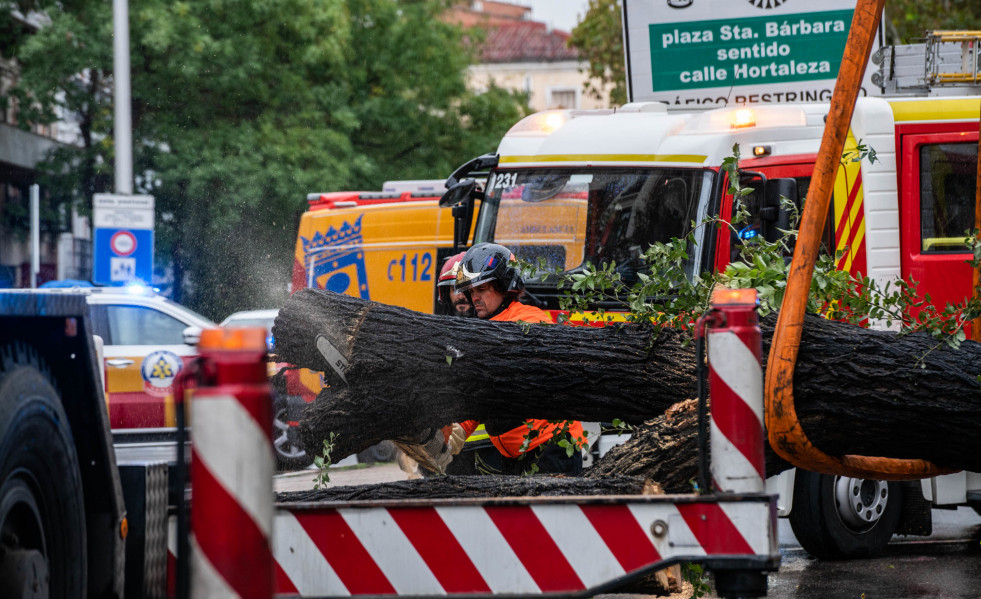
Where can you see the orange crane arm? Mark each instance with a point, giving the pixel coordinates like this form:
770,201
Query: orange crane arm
786,436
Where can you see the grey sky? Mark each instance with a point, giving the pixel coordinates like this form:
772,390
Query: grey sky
560,14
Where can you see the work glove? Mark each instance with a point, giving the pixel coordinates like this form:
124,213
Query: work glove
407,464
433,449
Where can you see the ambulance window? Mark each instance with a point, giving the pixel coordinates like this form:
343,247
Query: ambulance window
948,176
139,325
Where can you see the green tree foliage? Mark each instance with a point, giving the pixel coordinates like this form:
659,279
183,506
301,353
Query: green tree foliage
66,69
242,107
910,19
599,39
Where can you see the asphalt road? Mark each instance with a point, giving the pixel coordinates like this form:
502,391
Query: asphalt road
943,565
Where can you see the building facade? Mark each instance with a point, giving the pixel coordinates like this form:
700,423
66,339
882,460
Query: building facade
65,249
520,54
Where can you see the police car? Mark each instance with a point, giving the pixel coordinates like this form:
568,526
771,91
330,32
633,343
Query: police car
148,340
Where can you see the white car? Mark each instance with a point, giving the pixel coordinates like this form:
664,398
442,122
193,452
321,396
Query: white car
148,339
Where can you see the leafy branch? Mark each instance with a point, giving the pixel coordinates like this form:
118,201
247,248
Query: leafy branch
323,462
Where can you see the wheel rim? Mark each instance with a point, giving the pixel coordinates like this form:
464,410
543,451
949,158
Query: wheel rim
21,525
860,502
287,438
25,566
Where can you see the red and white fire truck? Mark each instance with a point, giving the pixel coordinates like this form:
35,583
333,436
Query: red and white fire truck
644,174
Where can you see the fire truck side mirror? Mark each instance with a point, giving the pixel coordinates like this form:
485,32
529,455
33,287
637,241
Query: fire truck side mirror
461,196
776,216
459,193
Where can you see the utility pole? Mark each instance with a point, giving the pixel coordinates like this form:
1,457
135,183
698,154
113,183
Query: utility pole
123,121
35,233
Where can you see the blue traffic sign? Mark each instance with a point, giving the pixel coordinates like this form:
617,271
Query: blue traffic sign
122,255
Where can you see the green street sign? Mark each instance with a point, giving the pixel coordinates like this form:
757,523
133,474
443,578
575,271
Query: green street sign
747,51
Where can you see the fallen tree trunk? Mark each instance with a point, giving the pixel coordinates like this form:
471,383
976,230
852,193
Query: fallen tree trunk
409,371
451,487
857,391
665,450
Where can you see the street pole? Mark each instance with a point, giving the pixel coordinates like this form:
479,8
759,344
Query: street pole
35,233
123,119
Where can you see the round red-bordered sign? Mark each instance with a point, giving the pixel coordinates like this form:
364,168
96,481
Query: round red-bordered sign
122,243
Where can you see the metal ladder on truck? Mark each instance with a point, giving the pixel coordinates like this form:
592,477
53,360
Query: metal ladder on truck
946,59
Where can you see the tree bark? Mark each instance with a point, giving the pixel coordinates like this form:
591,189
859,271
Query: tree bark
857,391
408,371
665,450
473,486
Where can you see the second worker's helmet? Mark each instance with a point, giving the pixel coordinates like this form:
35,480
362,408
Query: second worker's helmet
486,262
447,276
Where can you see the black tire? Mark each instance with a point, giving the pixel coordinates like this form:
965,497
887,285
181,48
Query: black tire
41,502
828,529
290,454
379,452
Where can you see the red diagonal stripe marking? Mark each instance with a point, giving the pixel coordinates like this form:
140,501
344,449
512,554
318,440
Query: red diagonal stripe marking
230,540
345,553
714,531
846,215
624,537
440,550
535,548
737,421
855,227
284,586
858,259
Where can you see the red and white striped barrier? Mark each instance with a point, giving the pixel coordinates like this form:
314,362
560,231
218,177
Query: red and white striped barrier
736,385
232,468
530,548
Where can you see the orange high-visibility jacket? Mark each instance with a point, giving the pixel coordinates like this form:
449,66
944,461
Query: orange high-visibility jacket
509,443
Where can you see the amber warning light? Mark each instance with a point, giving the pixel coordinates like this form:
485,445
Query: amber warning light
734,297
743,117
240,338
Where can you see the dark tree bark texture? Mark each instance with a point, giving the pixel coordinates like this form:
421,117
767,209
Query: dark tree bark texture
409,371
442,487
665,450
857,391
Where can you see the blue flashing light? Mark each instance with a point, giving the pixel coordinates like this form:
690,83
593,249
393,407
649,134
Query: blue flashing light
748,232
137,289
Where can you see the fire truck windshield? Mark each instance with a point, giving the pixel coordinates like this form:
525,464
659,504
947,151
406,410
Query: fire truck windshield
596,215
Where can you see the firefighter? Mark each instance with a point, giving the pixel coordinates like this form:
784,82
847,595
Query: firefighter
450,302
494,287
433,450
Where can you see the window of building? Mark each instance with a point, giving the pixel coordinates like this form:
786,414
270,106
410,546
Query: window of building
565,97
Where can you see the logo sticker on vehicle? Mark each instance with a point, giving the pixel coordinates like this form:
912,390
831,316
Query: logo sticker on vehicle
335,260
159,370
